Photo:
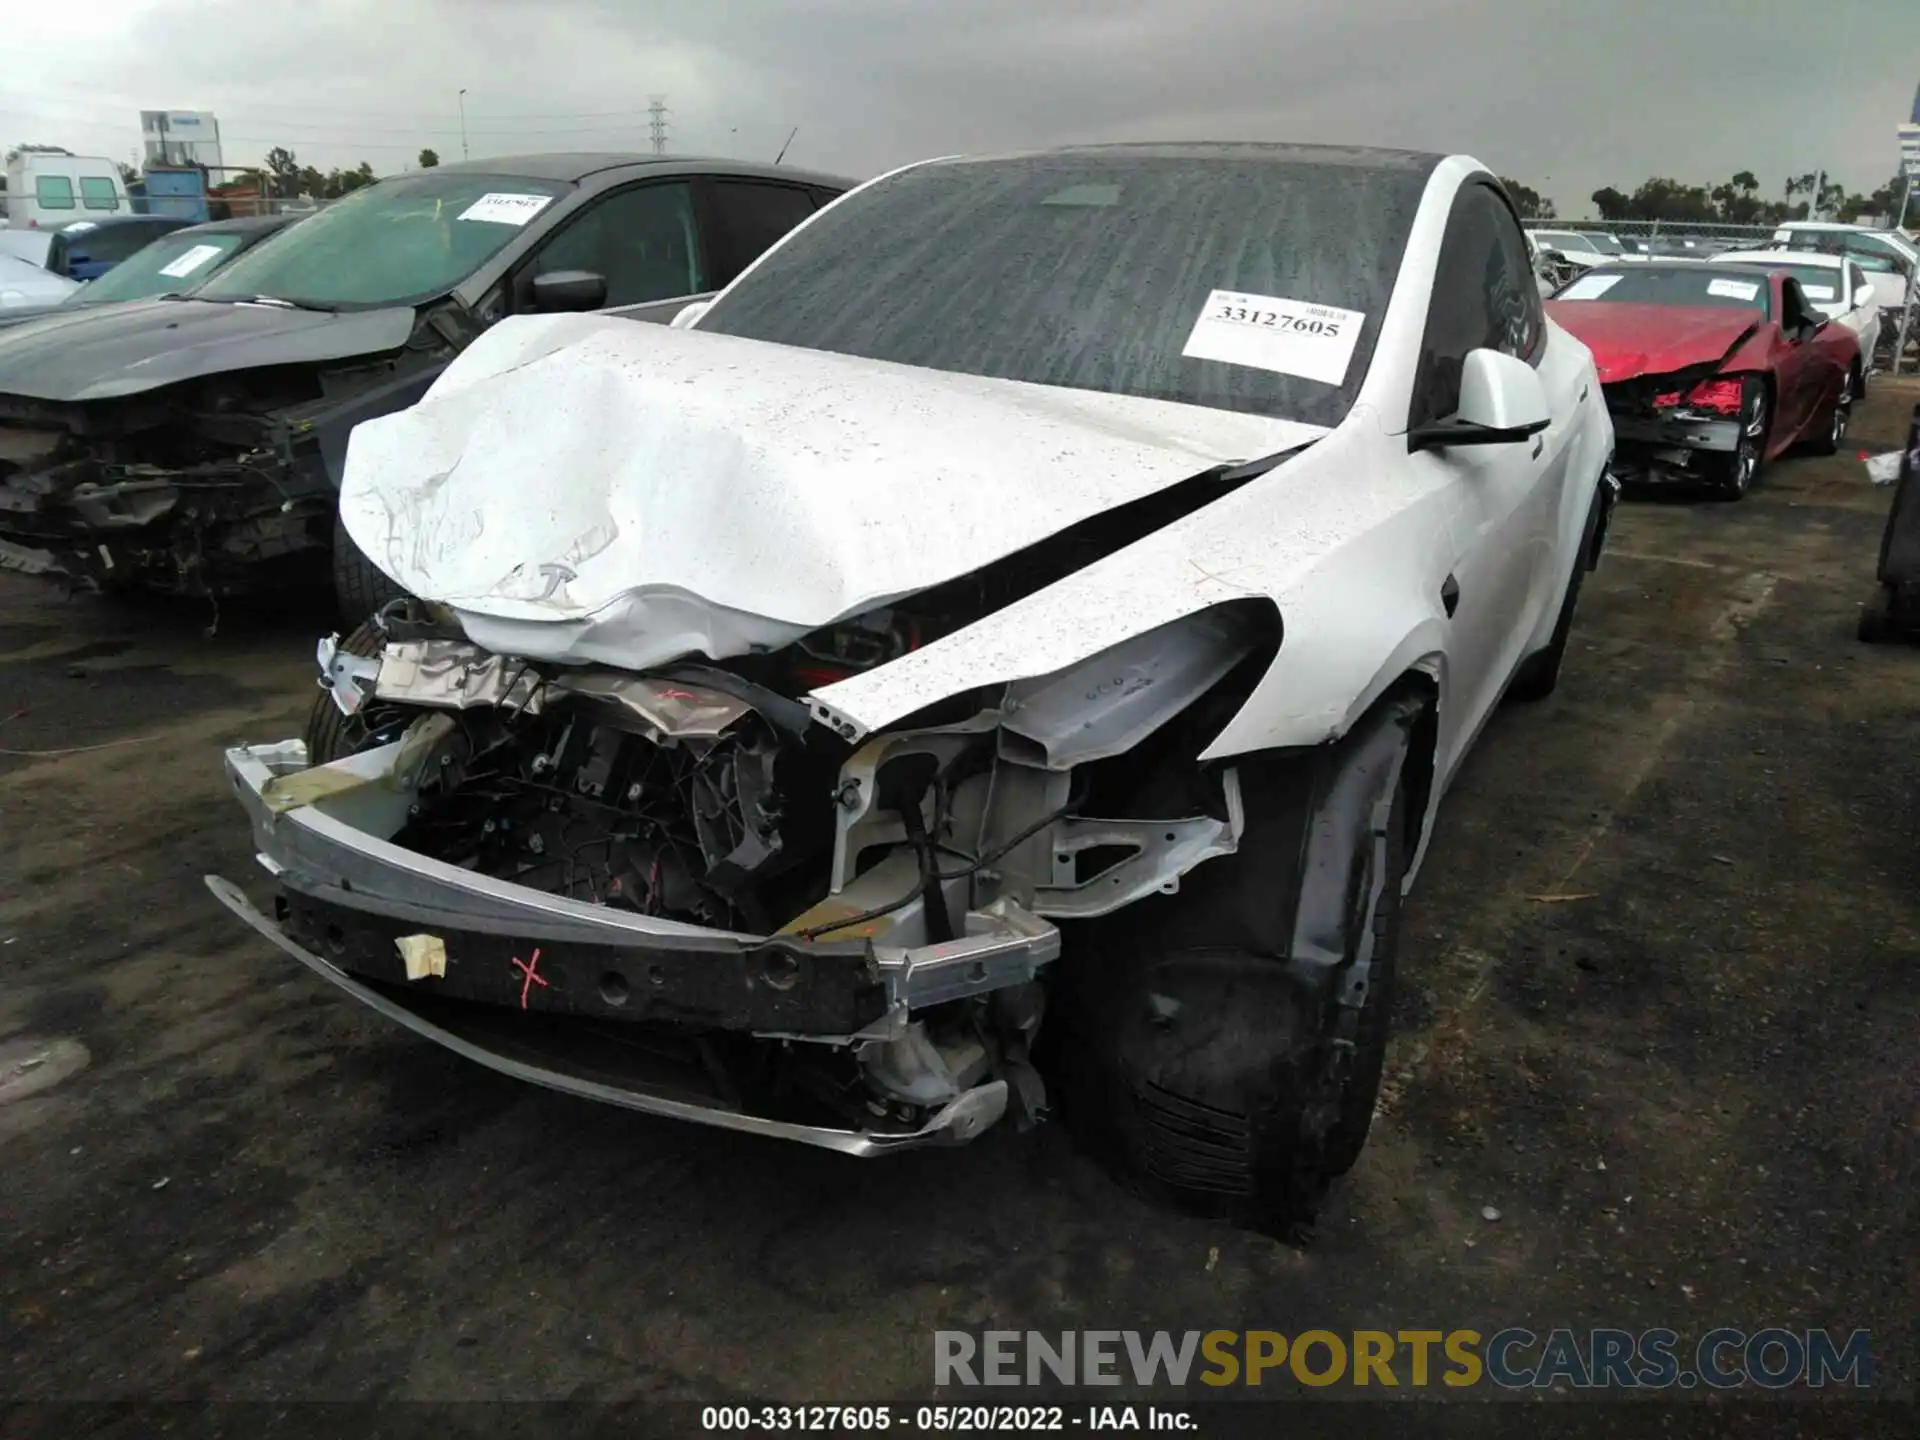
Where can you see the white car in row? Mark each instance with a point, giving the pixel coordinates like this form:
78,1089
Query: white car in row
1057,584
1836,285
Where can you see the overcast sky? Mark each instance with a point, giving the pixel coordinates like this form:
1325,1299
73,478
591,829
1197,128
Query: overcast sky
1603,93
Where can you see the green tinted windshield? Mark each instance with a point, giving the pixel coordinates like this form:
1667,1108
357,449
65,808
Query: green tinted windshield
402,241
169,265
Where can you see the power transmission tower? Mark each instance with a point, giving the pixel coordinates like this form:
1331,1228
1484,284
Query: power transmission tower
657,122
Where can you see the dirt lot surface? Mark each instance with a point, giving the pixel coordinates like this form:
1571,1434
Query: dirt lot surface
1660,1007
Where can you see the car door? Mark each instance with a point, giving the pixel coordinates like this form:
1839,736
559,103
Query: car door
1504,498
1801,365
644,240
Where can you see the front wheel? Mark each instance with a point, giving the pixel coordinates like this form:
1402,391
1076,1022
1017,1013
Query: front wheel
360,588
1733,475
1193,1059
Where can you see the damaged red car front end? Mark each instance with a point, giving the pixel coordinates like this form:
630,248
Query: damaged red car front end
1709,374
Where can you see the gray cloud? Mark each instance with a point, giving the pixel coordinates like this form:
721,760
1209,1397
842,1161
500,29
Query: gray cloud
1602,94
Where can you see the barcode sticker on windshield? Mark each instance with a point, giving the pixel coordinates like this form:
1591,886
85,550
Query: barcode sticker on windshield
190,261
1265,332
1589,287
1734,289
502,208
1817,292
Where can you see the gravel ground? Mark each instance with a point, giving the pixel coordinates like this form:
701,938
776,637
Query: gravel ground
1659,1000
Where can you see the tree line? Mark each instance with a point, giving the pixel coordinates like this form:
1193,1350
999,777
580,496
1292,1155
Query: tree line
283,177
1737,201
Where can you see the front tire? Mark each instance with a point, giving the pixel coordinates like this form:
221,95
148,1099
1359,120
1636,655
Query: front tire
1193,1060
360,588
1734,474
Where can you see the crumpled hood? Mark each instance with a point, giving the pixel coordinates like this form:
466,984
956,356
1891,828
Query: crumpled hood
100,352
1629,340
590,488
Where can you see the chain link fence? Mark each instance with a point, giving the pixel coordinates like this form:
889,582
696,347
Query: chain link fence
1719,236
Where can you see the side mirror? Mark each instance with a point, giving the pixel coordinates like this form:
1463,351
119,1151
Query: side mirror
1501,402
685,318
558,290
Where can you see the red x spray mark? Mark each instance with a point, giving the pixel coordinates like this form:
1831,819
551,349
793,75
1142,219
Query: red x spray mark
529,969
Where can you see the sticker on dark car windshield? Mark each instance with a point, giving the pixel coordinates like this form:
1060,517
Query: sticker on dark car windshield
503,208
1589,287
1266,332
1734,289
190,261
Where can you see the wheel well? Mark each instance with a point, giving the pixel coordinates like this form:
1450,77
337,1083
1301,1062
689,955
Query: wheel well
1422,745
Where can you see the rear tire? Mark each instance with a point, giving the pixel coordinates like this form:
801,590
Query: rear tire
1834,433
1192,1060
360,588
1539,674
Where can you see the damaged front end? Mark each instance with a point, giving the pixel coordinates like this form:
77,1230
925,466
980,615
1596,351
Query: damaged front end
1677,428
688,892
220,485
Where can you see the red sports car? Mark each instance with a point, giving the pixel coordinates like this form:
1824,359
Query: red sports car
1710,371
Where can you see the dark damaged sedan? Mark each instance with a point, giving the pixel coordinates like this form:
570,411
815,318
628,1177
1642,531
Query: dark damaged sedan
193,444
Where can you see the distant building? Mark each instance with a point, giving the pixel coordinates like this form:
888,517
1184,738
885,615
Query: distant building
180,137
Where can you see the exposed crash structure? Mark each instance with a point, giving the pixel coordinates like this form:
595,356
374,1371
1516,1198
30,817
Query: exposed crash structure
185,447
816,712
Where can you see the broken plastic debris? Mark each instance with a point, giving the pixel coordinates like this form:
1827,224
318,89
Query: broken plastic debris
424,955
1883,469
1487,1212
1213,1257
161,1183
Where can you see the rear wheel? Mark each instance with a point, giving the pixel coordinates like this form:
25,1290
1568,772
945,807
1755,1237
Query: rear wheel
1733,475
1834,433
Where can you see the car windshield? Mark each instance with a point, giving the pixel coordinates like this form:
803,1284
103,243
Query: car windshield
1664,285
1605,244
170,264
1819,283
1216,277
399,242
1860,244
1565,240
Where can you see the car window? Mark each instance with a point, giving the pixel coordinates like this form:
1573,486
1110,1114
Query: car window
53,192
112,243
1668,284
1484,297
1171,274
171,264
97,192
405,240
641,239
748,217
1819,282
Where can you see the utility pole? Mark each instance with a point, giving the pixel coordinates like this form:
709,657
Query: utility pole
783,149
463,126
657,122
